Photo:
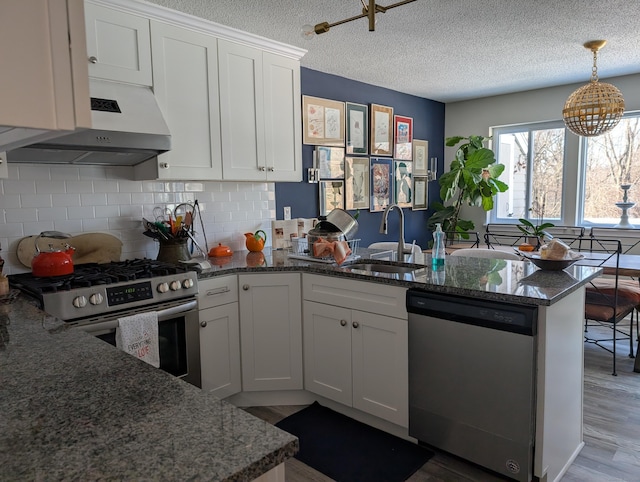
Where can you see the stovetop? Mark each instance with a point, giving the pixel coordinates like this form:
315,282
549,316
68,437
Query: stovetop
96,289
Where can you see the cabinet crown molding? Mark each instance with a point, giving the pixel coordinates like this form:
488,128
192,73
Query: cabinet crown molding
157,12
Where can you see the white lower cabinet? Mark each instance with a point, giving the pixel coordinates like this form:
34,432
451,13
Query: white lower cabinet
356,357
271,331
219,335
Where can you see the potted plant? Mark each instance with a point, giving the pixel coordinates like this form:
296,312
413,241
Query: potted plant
536,231
472,180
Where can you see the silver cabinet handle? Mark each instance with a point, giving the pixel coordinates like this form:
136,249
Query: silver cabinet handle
203,324
93,60
164,165
271,169
343,322
218,291
356,324
245,287
261,168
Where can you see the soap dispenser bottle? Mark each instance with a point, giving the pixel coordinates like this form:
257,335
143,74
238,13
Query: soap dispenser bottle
438,253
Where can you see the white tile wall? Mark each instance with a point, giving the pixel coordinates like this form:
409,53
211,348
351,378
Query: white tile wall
82,199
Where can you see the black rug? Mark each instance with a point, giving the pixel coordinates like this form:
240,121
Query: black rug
347,450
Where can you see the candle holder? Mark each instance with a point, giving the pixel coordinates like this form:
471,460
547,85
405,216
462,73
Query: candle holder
625,205
432,174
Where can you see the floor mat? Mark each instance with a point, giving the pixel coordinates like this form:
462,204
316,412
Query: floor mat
349,451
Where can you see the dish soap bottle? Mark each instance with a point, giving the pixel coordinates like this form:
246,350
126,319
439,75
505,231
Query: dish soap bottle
438,253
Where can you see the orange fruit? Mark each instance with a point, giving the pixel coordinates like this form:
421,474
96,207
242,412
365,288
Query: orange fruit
526,247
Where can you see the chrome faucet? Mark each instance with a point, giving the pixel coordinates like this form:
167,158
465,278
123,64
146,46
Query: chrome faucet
402,250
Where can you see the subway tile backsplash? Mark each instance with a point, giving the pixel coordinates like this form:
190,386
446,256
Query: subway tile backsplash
83,199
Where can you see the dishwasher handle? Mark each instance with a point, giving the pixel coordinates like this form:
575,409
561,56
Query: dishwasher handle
521,319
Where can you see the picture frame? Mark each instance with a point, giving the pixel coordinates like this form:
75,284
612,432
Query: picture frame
420,193
381,130
403,135
420,157
322,121
402,183
330,162
331,196
381,191
356,183
357,126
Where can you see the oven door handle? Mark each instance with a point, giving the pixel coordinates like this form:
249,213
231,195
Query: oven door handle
162,316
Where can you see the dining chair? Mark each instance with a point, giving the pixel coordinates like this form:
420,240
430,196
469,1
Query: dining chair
485,253
609,299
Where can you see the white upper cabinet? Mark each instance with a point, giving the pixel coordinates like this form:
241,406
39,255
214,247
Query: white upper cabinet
260,113
43,70
118,45
186,86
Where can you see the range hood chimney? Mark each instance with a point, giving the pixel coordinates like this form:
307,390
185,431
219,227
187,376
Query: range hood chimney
128,128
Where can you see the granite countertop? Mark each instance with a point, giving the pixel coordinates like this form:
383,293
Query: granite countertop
490,279
74,408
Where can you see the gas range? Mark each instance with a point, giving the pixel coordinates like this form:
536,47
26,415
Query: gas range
100,290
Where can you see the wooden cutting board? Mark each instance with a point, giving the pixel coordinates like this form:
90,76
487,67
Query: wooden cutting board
90,248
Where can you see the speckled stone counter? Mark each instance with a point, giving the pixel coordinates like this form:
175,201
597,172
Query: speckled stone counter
74,408
491,279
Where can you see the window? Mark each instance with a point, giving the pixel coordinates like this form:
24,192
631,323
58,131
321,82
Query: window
534,171
612,160
584,190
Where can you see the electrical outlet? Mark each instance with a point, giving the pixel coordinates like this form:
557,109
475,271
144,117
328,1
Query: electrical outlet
287,213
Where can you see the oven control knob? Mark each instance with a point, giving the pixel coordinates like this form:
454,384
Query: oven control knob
188,283
175,285
80,301
163,287
96,299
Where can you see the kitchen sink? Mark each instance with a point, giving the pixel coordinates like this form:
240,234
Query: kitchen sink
382,268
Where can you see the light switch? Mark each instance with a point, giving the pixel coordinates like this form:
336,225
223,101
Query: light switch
287,213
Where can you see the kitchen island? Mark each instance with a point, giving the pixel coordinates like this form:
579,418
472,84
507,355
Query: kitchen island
73,407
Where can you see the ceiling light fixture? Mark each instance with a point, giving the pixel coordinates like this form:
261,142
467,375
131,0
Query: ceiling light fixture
595,108
370,10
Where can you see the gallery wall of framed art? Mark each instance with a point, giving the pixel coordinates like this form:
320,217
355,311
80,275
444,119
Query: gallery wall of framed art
373,119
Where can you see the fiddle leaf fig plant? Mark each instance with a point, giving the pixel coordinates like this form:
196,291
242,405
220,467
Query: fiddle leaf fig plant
472,180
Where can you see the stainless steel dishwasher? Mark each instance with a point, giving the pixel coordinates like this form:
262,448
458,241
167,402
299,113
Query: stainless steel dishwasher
472,379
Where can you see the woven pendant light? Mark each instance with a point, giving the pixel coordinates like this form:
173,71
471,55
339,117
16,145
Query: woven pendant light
596,107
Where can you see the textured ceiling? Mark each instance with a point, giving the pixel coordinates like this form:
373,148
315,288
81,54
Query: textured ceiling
447,50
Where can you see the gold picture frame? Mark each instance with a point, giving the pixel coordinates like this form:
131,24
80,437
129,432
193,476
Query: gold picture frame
322,121
381,137
420,157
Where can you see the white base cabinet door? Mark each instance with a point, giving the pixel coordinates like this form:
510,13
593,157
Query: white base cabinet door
270,331
220,350
358,359
219,335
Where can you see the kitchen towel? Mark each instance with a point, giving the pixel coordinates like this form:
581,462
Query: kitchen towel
138,336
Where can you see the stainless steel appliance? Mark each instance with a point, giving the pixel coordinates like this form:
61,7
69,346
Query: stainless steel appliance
96,295
472,379
127,129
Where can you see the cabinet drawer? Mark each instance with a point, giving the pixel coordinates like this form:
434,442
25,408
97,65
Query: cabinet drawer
217,291
366,296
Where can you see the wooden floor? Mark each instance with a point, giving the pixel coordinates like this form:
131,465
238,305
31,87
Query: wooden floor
611,430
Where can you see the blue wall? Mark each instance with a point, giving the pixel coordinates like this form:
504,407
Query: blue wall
428,124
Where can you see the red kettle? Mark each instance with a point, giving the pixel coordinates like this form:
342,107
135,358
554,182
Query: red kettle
54,262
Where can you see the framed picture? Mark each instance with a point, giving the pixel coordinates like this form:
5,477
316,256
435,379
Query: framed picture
331,196
420,156
381,130
330,162
356,183
322,121
357,128
420,193
402,183
381,184
403,132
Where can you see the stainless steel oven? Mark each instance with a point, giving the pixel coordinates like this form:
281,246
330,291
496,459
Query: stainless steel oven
178,337
95,296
